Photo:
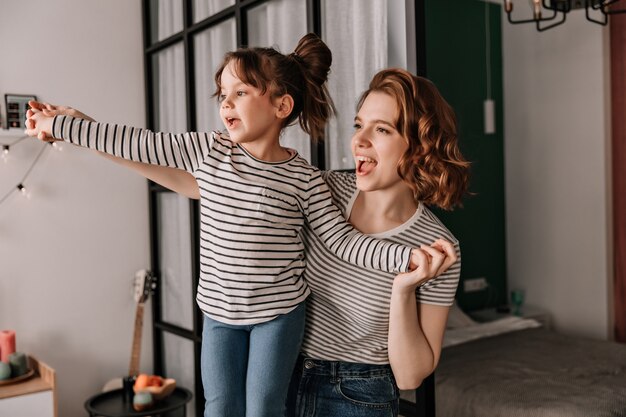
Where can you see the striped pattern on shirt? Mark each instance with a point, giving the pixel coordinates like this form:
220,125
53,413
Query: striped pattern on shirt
251,215
348,310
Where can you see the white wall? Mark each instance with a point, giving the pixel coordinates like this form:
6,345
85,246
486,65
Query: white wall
556,161
69,254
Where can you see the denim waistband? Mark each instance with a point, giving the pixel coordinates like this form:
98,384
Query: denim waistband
338,369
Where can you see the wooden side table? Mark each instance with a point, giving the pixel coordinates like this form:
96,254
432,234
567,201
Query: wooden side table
34,397
112,404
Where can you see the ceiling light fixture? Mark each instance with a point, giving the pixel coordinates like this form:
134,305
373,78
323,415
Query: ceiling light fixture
550,13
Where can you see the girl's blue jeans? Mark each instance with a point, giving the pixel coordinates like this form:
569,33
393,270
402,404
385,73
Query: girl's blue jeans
342,389
246,369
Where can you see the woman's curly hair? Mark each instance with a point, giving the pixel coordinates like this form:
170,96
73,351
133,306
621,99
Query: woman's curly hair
433,165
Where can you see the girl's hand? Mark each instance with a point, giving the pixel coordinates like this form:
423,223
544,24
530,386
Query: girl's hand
427,262
39,125
54,110
447,248
40,115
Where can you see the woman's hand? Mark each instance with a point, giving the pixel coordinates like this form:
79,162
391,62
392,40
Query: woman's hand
427,262
416,329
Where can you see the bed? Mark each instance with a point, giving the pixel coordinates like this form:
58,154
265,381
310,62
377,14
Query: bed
514,367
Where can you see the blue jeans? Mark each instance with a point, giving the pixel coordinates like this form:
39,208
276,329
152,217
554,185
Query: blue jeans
246,369
342,389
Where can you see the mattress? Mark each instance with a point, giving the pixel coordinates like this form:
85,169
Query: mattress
531,373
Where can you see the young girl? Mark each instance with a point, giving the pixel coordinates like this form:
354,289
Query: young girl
255,199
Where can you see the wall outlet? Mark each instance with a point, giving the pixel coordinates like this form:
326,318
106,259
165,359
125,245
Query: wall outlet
475,284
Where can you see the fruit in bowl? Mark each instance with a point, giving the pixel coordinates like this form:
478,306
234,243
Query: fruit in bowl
142,400
156,385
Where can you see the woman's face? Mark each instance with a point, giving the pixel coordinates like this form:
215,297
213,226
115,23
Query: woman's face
376,144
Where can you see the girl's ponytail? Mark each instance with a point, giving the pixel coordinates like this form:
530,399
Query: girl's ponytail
314,59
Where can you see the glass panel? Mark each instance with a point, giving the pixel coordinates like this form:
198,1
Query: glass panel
166,19
205,8
397,33
180,364
210,47
175,259
359,51
281,23
170,108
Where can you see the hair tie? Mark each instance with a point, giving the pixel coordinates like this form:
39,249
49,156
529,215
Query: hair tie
296,57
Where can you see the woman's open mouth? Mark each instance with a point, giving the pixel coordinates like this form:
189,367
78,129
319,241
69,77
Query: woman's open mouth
364,165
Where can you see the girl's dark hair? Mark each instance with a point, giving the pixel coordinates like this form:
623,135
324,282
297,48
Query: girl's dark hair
302,74
433,165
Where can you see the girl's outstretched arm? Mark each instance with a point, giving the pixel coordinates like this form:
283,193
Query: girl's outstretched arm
174,179
185,151
340,237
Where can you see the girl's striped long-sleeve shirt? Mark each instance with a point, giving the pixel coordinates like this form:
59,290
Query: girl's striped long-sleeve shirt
251,214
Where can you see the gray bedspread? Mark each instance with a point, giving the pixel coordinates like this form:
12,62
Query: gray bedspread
532,373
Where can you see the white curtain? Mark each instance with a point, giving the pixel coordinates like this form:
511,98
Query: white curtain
179,364
169,18
176,286
172,108
174,220
281,23
356,32
205,8
175,260
210,47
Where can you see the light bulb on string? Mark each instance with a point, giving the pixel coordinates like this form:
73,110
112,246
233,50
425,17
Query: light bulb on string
56,146
5,152
25,192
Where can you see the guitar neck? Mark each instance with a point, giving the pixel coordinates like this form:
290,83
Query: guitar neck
133,369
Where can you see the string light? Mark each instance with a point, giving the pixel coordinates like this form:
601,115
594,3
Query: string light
56,146
20,187
7,148
23,190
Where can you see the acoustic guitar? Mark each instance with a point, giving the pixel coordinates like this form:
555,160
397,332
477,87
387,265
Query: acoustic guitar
143,285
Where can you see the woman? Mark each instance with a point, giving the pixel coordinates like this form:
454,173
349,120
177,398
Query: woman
369,334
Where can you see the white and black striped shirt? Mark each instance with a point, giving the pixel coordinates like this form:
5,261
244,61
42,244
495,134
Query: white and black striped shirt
252,212
348,310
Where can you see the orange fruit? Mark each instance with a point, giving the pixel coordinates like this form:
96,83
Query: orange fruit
142,381
155,381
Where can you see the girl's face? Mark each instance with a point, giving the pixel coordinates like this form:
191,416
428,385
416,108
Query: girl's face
247,114
376,144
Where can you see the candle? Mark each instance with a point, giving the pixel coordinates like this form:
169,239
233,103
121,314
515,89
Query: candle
7,344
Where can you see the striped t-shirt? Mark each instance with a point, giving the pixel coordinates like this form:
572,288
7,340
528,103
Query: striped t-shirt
348,310
251,215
